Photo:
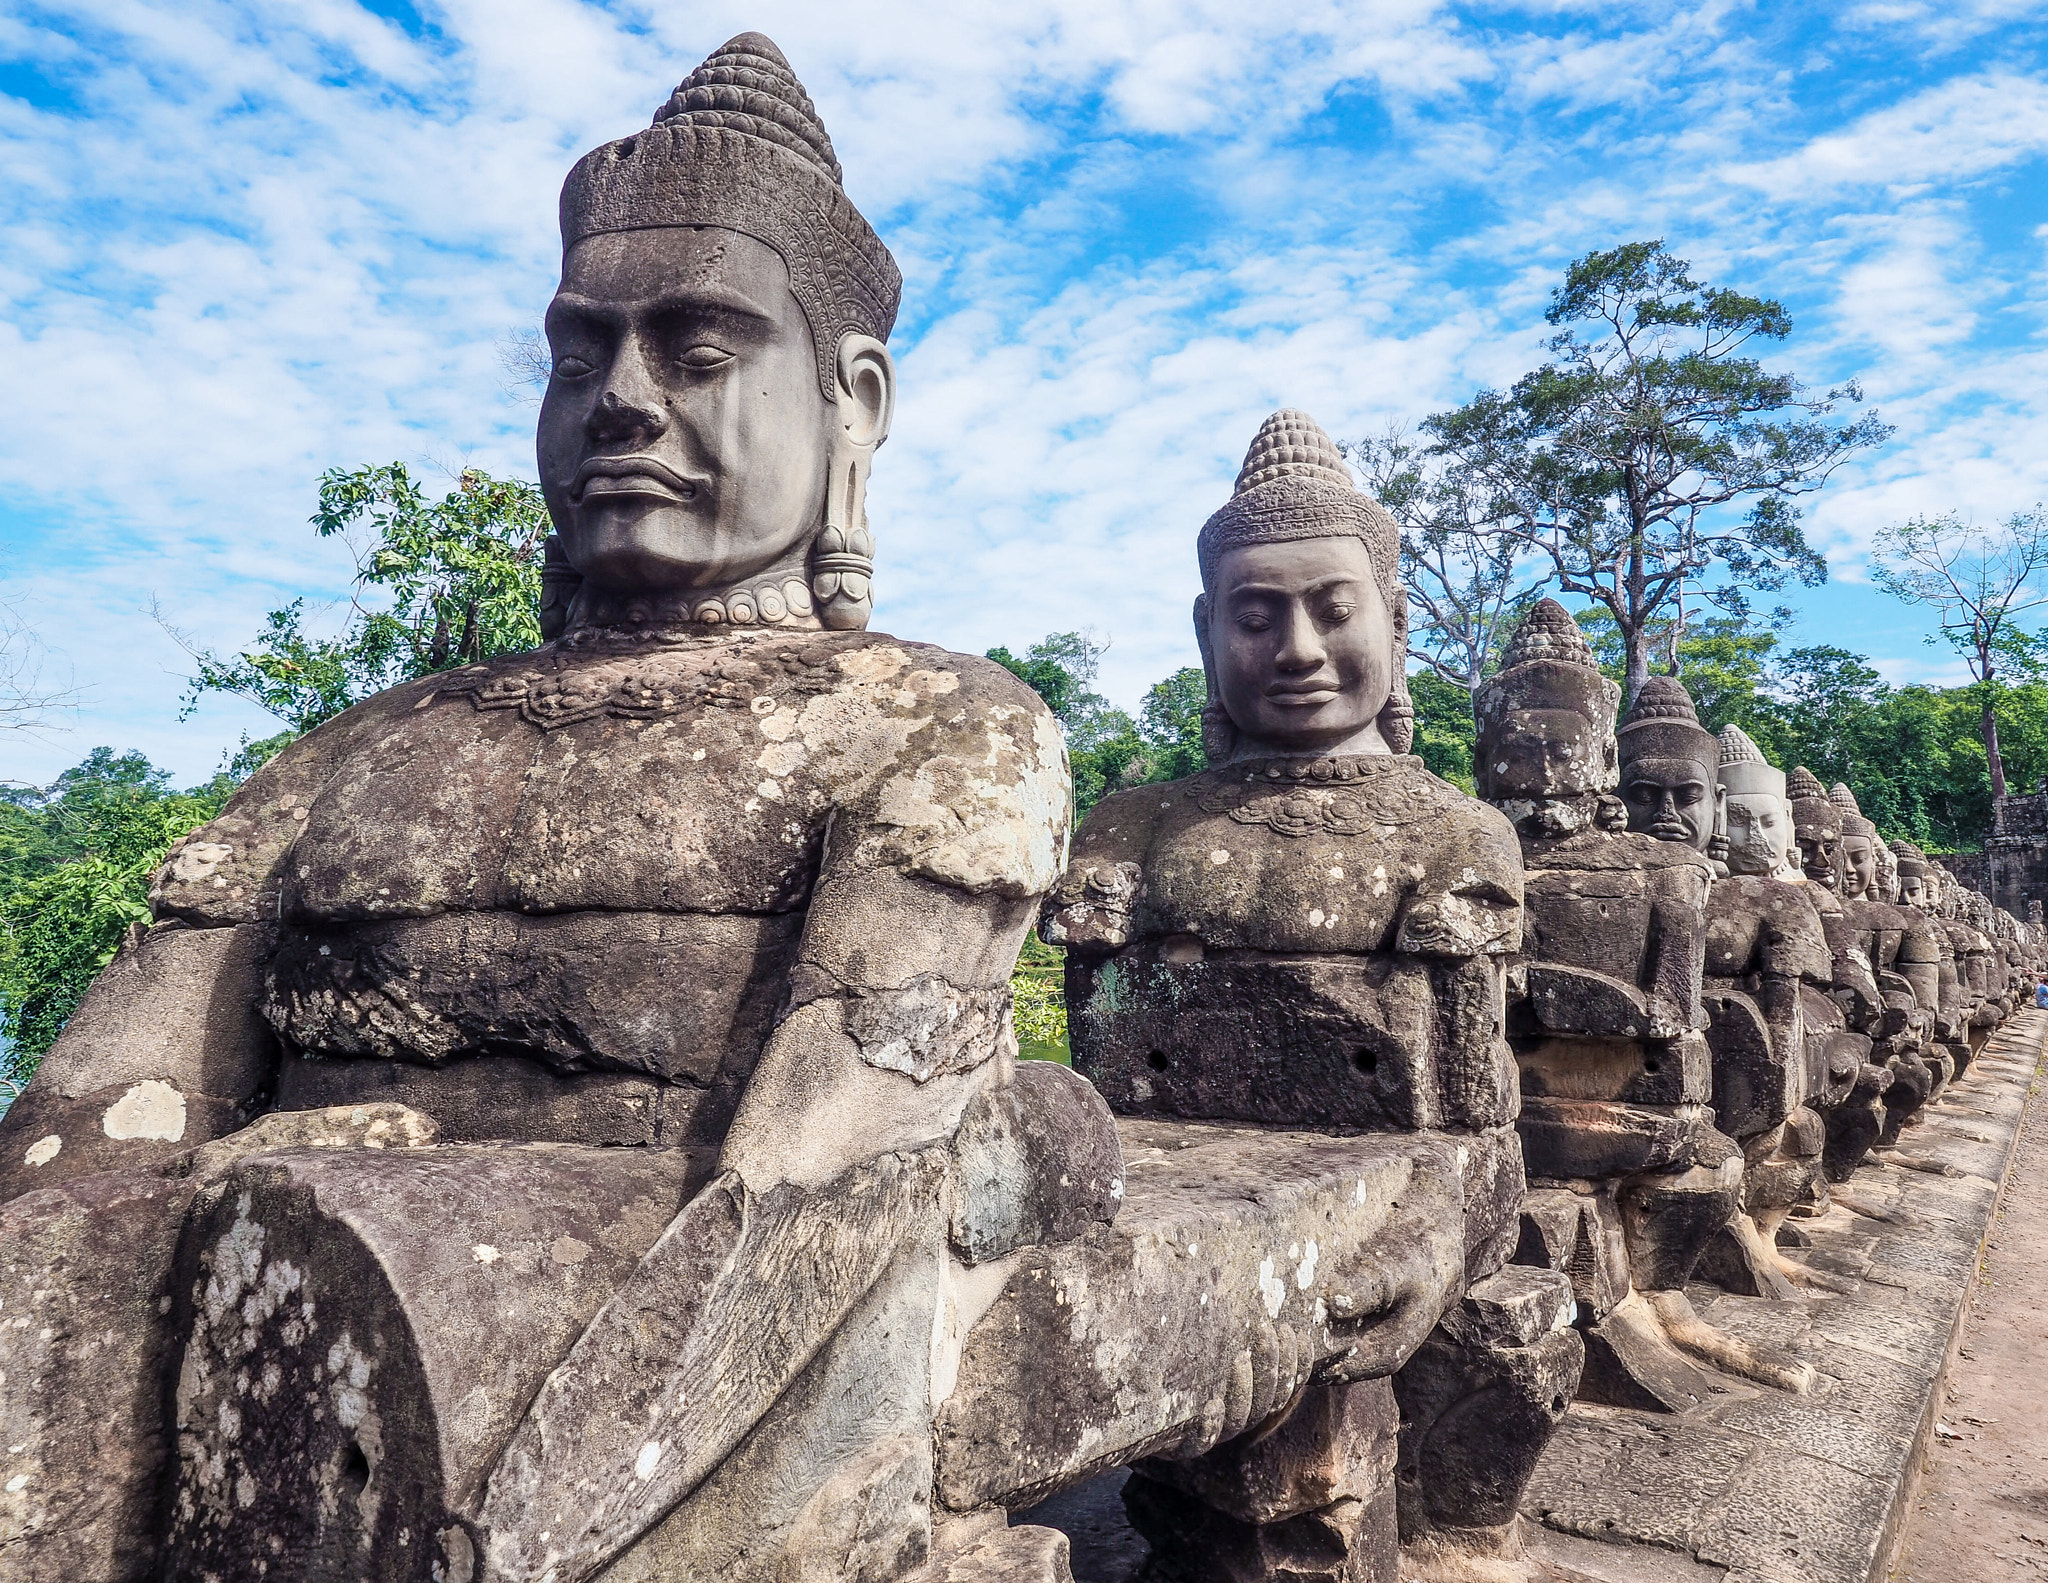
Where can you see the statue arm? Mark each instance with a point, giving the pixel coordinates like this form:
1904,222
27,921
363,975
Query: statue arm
168,1049
834,1177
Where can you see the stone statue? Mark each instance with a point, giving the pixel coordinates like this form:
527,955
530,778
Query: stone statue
1902,954
1919,890
1768,976
687,936
1632,1178
1855,1112
1312,935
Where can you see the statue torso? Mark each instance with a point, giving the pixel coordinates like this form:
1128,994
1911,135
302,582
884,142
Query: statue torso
597,859
1298,949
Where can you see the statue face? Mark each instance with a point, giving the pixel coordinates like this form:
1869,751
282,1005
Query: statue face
1817,854
1670,799
1759,833
683,441
1913,890
1859,865
1303,646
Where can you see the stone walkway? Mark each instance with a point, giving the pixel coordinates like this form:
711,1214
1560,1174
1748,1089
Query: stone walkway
1981,1510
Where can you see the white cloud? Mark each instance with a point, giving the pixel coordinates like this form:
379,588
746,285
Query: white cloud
252,242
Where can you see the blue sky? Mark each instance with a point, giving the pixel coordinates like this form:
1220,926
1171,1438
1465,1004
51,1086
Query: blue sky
249,242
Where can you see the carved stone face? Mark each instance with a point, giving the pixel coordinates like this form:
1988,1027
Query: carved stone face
1303,646
683,441
1859,865
1672,799
1759,833
1914,890
1817,855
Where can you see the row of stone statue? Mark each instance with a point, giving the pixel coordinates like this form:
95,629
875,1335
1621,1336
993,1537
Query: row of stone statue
563,1119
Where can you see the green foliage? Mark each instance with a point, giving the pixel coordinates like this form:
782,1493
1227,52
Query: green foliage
460,578
1651,450
1106,749
1445,732
1038,990
75,861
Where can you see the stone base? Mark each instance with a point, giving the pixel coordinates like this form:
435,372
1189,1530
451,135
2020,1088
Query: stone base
1755,1485
1758,1486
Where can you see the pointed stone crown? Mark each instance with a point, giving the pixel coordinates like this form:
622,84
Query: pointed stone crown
1911,859
746,86
1548,632
1291,444
1853,822
1736,747
1803,785
739,147
1294,485
1663,724
1744,770
1812,813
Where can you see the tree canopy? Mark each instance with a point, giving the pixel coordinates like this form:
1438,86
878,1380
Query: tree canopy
438,583
1650,461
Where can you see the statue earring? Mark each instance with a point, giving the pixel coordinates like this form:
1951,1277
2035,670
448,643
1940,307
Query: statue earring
843,554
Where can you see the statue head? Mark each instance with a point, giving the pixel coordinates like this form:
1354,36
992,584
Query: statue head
1917,886
1887,884
1859,846
1546,725
1816,827
720,382
1668,766
1302,621
1760,839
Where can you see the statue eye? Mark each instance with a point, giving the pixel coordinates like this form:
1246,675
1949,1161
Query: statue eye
570,366
704,355
1253,621
1337,613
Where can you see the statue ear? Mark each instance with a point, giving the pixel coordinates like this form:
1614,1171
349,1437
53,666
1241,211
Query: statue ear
843,556
867,391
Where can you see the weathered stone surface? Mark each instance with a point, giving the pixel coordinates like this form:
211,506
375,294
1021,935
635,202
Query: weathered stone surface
1479,1401
1039,1161
351,1282
1312,1498
87,1288
165,1051
85,1274
1205,1307
1761,1485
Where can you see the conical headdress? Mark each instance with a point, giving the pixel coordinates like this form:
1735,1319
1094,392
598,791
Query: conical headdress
1293,485
1812,813
1911,859
739,146
1744,770
1662,724
1548,667
1853,822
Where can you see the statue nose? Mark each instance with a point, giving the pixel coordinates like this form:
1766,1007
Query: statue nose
614,419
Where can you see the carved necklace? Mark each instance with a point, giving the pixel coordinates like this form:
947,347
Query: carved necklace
1340,795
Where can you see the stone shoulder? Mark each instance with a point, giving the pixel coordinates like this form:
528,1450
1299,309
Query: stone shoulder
228,870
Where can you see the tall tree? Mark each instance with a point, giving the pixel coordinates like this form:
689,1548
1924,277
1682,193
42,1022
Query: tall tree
1624,462
438,583
1977,580
1467,580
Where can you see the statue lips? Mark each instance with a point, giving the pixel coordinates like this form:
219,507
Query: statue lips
631,475
1312,695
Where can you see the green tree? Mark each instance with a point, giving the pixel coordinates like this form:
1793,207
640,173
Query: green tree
1445,732
1467,580
75,861
1621,463
1977,581
448,582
